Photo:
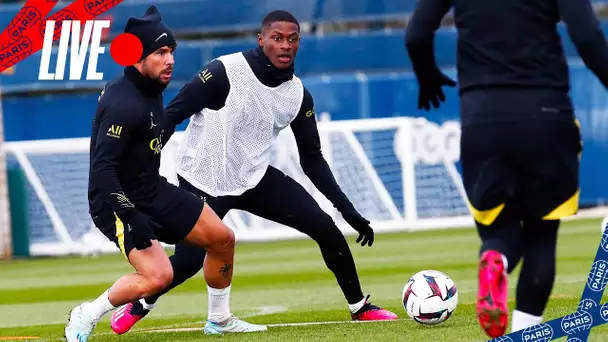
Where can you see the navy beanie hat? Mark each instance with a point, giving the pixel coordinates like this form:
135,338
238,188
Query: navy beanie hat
150,30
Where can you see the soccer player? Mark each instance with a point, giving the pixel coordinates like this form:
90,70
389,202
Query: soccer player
520,143
130,202
239,103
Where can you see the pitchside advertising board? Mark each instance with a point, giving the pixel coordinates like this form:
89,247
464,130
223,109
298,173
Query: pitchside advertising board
79,35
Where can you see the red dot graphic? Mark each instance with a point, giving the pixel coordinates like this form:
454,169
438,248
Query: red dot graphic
126,49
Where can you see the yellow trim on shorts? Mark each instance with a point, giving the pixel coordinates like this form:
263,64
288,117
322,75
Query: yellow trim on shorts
567,208
120,235
486,217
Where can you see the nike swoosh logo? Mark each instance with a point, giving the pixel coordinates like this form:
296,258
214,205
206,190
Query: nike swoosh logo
159,37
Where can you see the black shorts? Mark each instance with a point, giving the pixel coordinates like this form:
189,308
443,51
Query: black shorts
220,205
531,165
175,210
277,197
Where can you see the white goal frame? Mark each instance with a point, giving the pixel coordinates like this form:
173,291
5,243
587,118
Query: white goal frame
6,241
416,141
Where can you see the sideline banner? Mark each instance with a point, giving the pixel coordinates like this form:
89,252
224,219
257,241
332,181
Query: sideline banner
577,325
31,30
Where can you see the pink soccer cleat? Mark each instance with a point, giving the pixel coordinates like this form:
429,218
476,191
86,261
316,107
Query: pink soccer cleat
125,318
492,312
370,312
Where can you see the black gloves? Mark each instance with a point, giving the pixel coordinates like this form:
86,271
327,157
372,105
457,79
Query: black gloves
361,225
430,79
141,229
431,89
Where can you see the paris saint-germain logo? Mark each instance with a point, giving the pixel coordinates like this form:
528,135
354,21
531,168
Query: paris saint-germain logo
605,240
604,312
577,322
538,333
586,304
598,277
96,7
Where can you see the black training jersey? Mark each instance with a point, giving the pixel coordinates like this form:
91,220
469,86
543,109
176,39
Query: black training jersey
126,142
512,42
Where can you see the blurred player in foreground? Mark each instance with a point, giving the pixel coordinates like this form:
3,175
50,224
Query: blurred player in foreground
520,143
239,103
130,202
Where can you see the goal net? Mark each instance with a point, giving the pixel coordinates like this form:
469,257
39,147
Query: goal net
400,173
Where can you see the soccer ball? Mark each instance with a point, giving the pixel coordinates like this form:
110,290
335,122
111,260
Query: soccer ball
430,297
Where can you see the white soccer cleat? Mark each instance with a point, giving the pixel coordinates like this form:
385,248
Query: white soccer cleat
232,325
80,325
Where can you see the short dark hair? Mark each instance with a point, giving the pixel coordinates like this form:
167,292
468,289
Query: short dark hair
279,15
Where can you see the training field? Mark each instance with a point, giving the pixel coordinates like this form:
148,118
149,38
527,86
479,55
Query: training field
287,285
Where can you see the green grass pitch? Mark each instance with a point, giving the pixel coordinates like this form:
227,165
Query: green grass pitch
287,282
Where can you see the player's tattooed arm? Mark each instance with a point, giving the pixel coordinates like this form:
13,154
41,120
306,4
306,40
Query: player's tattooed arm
207,89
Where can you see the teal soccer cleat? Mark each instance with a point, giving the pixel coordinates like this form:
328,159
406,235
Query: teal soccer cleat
80,325
232,325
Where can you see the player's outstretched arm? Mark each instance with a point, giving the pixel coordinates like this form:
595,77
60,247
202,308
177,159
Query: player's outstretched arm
587,35
314,165
207,89
117,124
419,42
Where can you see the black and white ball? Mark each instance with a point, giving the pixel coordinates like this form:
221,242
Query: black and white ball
430,297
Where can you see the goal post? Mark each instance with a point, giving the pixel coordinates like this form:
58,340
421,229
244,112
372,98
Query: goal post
407,168
6,242
400,173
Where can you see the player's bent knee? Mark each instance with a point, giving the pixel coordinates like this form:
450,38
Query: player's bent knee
154,267
222,241
158,281
211,233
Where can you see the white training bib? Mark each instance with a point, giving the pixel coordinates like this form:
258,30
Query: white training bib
227,152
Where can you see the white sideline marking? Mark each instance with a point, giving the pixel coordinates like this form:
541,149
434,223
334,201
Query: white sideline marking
328,322
261,310
200,328
270,325
267,310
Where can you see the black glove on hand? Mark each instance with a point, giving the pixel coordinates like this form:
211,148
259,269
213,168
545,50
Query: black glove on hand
431,90
141,229
361,225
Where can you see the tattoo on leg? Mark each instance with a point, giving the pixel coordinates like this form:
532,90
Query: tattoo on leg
225,270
